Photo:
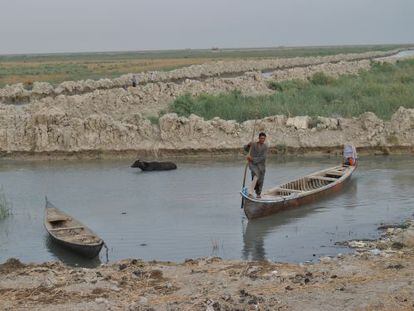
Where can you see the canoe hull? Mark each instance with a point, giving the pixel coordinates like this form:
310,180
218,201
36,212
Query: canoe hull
83,250
260,208
71,228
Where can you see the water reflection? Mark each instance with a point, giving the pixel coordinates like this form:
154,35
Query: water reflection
257,230
68,257
401,54
350,193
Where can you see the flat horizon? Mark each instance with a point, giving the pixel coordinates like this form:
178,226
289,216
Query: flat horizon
258,48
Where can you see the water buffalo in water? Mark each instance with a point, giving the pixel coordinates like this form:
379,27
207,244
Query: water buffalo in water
154,166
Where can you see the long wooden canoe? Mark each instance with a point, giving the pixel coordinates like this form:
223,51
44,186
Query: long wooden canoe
71,233
297,192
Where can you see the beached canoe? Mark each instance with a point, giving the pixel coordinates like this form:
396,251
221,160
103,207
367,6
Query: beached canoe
298,192
71,233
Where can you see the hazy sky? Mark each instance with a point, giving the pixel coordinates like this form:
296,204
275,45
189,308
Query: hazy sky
35,26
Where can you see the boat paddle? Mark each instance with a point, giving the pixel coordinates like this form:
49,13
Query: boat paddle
247,162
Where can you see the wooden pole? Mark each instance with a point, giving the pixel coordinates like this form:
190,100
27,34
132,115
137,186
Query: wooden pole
247,162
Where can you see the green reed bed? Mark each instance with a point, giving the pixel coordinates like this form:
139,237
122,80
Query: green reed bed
381,90
5,205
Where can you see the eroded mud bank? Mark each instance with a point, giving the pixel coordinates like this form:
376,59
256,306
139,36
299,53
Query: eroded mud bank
54,133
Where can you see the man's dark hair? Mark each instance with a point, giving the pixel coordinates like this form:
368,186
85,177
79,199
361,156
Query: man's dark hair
262,134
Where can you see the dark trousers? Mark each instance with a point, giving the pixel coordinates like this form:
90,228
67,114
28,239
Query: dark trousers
258,170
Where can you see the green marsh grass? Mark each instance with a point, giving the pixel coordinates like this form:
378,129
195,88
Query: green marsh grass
381,90
5,205
154,119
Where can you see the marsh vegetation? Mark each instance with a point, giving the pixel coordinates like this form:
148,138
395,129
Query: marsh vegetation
381,90
5,205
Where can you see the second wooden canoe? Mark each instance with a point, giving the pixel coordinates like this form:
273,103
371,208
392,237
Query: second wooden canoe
71,233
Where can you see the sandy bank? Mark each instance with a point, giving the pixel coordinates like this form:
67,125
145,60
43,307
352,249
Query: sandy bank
377,276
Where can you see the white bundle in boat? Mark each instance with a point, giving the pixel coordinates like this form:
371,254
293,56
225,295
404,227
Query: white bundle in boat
350,152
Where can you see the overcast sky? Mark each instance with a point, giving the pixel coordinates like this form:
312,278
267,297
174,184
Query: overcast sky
45,26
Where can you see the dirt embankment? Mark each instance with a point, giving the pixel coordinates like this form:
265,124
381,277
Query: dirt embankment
377,276
51,130
112,121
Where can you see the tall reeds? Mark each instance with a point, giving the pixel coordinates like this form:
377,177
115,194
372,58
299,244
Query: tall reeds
5,205
381,90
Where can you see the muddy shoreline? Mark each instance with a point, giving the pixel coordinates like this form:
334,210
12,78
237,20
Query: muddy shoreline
208,153
377,276
51,134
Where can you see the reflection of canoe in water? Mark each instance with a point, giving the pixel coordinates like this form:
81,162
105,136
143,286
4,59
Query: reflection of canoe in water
298,192
71,233
68,257
255,232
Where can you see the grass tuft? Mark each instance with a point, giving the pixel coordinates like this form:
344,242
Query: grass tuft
320,78
5,205
155,120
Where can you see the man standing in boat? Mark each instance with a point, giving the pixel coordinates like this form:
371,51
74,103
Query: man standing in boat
257,163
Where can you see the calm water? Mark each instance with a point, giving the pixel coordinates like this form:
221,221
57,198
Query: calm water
404,54
195,210
268,74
